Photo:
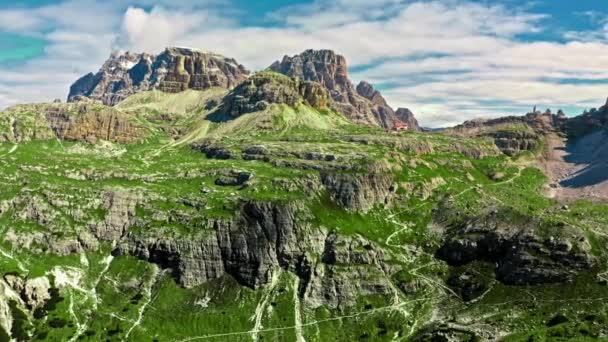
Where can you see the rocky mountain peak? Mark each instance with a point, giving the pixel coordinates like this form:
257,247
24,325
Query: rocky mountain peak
323,66
367,90
363,105
173,70
406,115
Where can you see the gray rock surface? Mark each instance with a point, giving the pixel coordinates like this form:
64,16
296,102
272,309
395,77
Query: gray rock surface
406,115
520,248
262,236
363,105
359,192
174,70
120,205
34,292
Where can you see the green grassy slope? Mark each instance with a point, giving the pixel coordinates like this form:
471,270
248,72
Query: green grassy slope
100,297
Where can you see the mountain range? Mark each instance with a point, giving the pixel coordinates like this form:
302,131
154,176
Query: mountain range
181,197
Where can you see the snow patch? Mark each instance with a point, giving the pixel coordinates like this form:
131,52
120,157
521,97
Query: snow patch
127,65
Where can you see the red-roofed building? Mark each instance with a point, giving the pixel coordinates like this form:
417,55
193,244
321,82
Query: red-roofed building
400,126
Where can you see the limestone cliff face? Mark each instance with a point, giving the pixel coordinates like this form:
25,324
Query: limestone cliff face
174,70
363,104
91,125
260,239
359,192
84,121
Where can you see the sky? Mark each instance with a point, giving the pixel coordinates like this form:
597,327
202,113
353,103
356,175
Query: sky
447,60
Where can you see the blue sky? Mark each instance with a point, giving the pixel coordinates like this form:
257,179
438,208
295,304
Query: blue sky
447,60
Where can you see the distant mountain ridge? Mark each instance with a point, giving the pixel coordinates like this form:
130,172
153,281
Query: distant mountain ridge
174,70
179,69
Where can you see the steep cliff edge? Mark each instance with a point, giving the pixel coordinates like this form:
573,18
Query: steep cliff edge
84,121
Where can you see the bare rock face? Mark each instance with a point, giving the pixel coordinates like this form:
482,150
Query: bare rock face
120,205
512,143
265,88
174,70
405,115
263,238
359,192
522,255
34,292
350,267
363,105
588,122
86,121
383,113
7,294
91,125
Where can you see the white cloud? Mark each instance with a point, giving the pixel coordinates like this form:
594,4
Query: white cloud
159,28
448,60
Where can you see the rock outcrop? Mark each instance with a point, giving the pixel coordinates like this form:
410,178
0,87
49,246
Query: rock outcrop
83,121
120,207
266,88
521,254
91,123
174,70
540,123
382,112
514,134
262,238
405,115
359,192
588,122
34,292
349,267
363,105
512,143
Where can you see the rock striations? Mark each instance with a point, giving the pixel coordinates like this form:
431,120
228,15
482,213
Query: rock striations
174,70
320,77
363,104
84,121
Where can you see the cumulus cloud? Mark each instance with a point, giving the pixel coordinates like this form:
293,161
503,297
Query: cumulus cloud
159,28
448,60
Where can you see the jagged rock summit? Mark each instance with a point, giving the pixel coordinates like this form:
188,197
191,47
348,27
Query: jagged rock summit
363,104
174,70
406,116
319,74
